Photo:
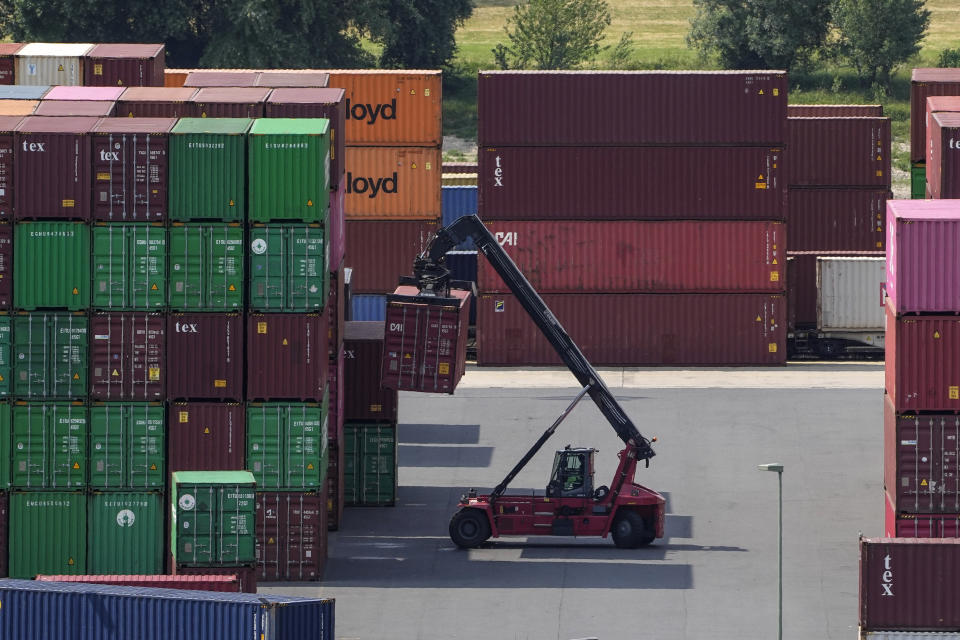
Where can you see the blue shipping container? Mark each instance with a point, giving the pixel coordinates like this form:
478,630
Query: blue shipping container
369,307
456,202
31,610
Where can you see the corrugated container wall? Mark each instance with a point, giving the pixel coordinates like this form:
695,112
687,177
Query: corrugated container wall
129,266
601,108
50,355
802,283
839,151
246,575
48,534
291,536
8,63
286,356
937,104
834,110
125,65
923,362
399,183
850,294
125,532
230,102
316,103
212,518
287,444
50,445
76,108
370,464
898,524
6,263
837,219
205,356
206,267
127,446
127,356
41,63
206,436
8,124
6,371
380,251
157,102
6,426
224,584
456,202
336,227
926,82
943,155
4,532
368,307
288,270
364,399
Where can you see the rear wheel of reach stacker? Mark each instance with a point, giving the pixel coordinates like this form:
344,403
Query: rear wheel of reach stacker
629,530
469,528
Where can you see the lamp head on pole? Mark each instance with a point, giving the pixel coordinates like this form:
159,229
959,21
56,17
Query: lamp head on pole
773,466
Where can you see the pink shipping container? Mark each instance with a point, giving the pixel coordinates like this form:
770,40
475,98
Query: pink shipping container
802,284
76,108
593,108
52,159
157,102
630,256
425,343
364,399
246,575
127,353
102,94
834,110
287,356
837,219
615,183
909,584
8,65
221,78
230,102
8,124
380,251
316,103
205,356
923,362
125,65
943,155
206,436
937,104
6,265
224,583
926,82
639,329
923,255
291,536
336,227
839,152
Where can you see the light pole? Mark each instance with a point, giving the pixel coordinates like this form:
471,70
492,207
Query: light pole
778,469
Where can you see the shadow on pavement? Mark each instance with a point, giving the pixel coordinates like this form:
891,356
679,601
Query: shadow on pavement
438,433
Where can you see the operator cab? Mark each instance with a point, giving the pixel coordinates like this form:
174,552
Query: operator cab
572,475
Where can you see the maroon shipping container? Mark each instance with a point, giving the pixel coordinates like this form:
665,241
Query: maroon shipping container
336,313
295,78
291,536
8,124
926,82
639,329
459,167
205,356
592,108
648,183
76,108
836,219
127,356
335,487
225,583
206,436
316,103
425,344
236,78
802,284
898,524
6,265
336,383
923,362
130,169
937,104
125,65
364,399
4,527
909,584
380,251
230,102
52,159
157,102
826,152
246,575
287,356
943,156
834,110
8,65
336,227
632,256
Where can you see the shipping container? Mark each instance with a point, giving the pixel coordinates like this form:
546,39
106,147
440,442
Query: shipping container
6,440
456,202
48,534
392,107
937,104
834,110
130,169
628,256
127,446
76,108
102,94
397,183
638,183
127,356
425,343
42,63
4,532
8,64
839,151
129,266
50,355
17,108
458,179
943,163
23,92
175,77
335,495
912,525
369,464
295,78
463,267
364,399
923,362
212,518
288,270
289,170
224,583
36,610
246,574
337,387
286,356
206,436
208,164
459,167
336,228
287,444
380,251
918,181
336,313
51,266
315,103
50,445
926,82
369,308
206,267
125,532
157,102
125,65
845,219
850,294
205,356
638,329
221,78
231,102
6,262
802,283
291,536
923,242
52,159
8,125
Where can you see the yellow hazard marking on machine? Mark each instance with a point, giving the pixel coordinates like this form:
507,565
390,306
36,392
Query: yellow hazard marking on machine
184,416
772,347
261,327
220,383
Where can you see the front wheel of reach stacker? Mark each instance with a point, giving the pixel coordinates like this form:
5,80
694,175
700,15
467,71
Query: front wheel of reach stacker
469,528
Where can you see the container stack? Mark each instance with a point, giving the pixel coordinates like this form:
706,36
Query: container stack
642,207
924,83
943,147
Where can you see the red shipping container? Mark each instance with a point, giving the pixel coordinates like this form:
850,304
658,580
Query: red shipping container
593,108
246,575
230,102
937,104
926,82
287,356
839,151
923,362
206,436
6,265
8,124
336,312
380,251
632,256
364,400
205,356
291,536
223,583
335,487
836,219
834,110
127,356
125,65
336,227
130,169
336,384
459,167
221,78
614,183
316,103
943,155
638,329
52,159
8,65
305,78
76,108
802,284
911,525
157,102
425,344
4,520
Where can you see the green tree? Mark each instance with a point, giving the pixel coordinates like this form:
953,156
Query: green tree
553,34
418,34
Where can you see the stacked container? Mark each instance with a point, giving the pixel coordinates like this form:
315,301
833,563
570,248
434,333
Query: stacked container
924,83
943,147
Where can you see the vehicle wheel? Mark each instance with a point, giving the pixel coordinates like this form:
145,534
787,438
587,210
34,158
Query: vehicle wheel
628,530
649,533
469,528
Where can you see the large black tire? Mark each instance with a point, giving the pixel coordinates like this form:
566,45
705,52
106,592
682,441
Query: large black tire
649,533
469,528
628,530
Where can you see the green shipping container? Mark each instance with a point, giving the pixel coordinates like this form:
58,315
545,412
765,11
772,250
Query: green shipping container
125,533
6,344
208,169
369,464
918,181
213,514
50,356
129,267
287,444
288,268
206,267
127,446
6,438
48,533
289,169
49,448
51,266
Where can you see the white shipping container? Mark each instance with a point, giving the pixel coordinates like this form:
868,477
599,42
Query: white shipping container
850,294
50,63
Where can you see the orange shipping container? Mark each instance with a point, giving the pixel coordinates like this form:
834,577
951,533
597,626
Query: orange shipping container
391,108
18,107
392,183
175,77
